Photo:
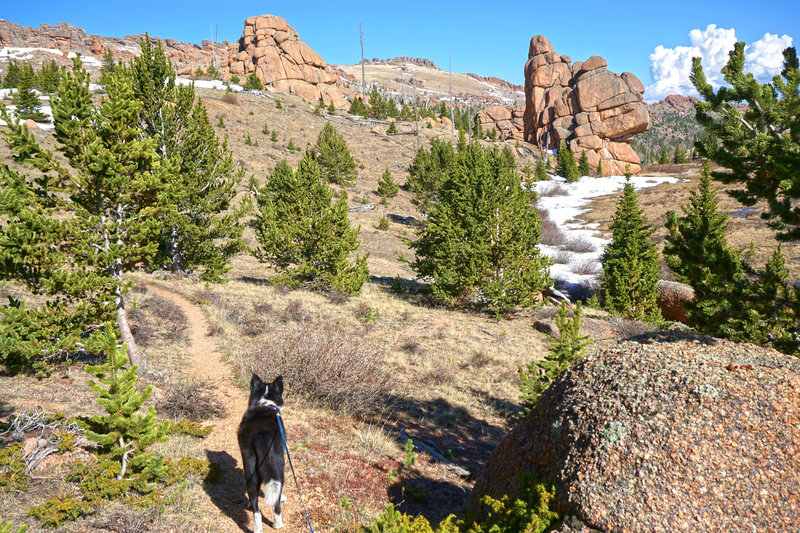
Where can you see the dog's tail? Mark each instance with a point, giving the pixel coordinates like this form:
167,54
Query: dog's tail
272,491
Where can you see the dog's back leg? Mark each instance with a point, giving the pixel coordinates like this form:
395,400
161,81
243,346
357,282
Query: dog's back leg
272,495
253,482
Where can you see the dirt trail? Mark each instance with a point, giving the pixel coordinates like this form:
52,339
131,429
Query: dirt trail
228,508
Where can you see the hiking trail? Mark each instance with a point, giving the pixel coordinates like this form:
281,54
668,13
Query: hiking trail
227,508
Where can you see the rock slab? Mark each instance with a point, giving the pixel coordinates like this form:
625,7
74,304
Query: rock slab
668,431
584,104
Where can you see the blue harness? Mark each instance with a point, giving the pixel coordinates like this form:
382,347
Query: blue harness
285,447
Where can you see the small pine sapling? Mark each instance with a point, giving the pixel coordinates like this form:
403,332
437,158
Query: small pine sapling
253,82
540,173
221,122
331,108
566,349
278,104
274,136
392,128
583,165
387,187
123,433
334,157
265,129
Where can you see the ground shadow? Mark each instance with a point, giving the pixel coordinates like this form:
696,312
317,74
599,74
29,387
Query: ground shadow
228,494
453,432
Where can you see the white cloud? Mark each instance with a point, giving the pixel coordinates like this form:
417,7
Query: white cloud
670,67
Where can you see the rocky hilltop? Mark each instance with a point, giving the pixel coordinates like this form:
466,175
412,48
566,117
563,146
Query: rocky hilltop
664,432
64,39
273,50
584,104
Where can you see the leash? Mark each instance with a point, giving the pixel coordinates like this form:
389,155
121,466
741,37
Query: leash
288,456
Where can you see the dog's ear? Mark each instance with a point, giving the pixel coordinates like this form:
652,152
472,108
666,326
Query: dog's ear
255,381
279,384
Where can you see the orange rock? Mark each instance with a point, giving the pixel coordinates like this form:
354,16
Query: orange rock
539,45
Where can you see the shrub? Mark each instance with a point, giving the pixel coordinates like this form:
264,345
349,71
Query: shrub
253,82
579,244
54,511
392,128
383,224
553,189
551,233
235,79
587,267
193,401
326,364
230,98
278,104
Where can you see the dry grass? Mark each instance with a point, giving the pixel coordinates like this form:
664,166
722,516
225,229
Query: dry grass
550,233
579,244
327,364
587,267
562,257
553,189
192,401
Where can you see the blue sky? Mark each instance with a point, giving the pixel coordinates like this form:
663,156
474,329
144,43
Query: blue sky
488,38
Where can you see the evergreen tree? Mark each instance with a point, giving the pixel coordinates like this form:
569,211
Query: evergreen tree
203,229
566,166
12,75
253,82
108,66
540,173
599,171
358,108
123,433
392,127
480,243
697,252
428,171
334,157
25,98
387,187
663,156
679,154
303,234
537,376
109,221
760,146
49,77
631,262
583,165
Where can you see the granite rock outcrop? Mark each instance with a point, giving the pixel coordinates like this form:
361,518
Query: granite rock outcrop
273,50
583,104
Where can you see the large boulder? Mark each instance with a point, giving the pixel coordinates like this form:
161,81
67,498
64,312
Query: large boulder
668,431
609,105
273,50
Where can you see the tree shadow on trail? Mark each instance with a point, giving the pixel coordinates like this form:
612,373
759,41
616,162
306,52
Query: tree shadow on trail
229,494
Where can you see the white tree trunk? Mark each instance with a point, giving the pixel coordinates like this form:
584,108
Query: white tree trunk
363,77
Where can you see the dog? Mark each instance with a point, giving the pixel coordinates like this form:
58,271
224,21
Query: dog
262,448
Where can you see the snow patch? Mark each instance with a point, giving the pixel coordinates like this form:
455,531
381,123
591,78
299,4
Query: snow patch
565,209
209,84
23,53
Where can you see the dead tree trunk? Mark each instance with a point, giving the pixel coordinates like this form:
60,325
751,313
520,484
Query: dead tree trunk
452,120
363,76
416,120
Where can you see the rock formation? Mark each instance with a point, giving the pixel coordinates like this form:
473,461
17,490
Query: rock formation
584,104
507,122
273,50
668,431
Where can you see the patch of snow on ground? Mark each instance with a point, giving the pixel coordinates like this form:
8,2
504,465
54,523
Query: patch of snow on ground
208,84
22,53
565,209
86,59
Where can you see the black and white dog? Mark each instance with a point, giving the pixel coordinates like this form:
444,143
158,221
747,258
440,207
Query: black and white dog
262,448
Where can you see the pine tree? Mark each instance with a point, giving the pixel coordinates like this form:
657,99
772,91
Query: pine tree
334,157
599,171
303,234
49,77
117,197
537,376
583,165
540,173
358,108
631,262
387,186
480,242
108,66
760,146
428,171
697,252
663,156
123,433
25,98
566,166
253,82
679,154
203,229
12,75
